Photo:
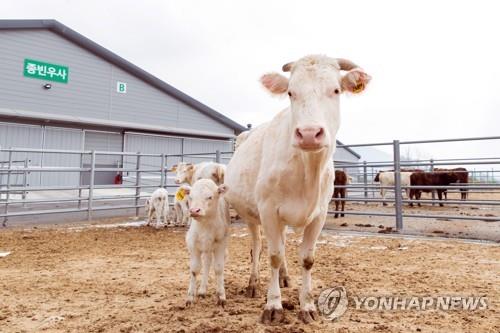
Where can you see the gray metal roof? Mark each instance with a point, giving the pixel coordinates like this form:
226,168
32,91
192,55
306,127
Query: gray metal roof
118,61
348,149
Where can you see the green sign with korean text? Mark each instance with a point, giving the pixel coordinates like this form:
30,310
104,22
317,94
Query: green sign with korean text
44,71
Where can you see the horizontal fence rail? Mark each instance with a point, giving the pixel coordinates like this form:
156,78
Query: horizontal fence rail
31,183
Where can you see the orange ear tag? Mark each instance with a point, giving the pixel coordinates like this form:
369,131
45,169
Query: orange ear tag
359,88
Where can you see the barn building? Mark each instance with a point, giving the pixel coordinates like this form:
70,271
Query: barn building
60,90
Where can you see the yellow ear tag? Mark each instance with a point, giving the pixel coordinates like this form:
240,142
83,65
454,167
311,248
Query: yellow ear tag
359,88
179,195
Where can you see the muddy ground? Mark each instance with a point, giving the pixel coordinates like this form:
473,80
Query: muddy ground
134,279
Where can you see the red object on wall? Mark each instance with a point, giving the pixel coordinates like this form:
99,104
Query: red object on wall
118,179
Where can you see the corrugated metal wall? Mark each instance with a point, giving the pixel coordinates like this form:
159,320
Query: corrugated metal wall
38,137
65,139
21,136
104,141
91,90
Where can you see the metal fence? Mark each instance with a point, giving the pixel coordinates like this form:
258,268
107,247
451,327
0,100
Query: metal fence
481,182
139,174
136,182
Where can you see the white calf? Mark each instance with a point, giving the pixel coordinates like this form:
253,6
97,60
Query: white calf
181,206
207,236
158,203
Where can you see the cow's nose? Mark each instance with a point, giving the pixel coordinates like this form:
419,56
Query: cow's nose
309,137
195,211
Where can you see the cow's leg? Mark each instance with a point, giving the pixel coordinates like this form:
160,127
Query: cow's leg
158,216
152,213
440,196
185,213
219,259
206,262
178,213
254,281
418,196
342,194
382,193
284,278
463,193
194,267
336,196
306,255
273,310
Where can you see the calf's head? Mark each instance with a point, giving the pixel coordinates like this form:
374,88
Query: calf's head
204,198
314,88
183,172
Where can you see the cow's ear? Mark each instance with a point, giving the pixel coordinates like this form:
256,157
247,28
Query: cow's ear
275,83
355,81
222,189
190,167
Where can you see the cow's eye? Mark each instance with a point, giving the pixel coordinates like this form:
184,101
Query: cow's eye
290,93
336,91
209,198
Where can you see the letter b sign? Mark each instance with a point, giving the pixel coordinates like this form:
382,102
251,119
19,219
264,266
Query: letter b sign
121,87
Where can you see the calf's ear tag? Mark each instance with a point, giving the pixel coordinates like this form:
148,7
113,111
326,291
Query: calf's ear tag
180,194
358,88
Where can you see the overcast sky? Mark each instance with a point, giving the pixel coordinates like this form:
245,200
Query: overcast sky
435,64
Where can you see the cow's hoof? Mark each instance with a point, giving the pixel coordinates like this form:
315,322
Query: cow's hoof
342,215
221,302
272,316
189,303
308,316
252,291
384,203
336,216
202,295
285,281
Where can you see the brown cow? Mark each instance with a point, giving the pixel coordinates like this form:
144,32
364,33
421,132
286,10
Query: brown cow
460,175
341,179
430,179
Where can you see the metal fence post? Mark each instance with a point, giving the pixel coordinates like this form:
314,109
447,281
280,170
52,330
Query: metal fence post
365,180
397,186
182,150
25,182
137,183
91,185
81,183
162,170
217,156
433,193
371,182
7,194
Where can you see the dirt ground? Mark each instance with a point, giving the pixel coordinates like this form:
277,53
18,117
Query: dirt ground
442,226
134,279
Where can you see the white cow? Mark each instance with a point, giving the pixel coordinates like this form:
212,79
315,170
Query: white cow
386,179
157,204
207,237
283,174
189,173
